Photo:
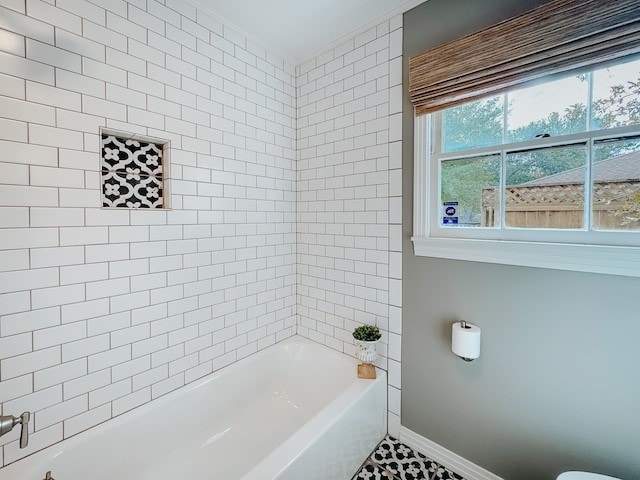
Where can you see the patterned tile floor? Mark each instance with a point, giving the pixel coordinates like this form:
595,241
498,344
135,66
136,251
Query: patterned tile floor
393,460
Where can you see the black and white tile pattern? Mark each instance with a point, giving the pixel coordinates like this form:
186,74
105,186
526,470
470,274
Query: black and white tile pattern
393,460
132,173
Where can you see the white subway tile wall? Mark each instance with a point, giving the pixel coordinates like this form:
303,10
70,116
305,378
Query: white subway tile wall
349,196
102,311
284,188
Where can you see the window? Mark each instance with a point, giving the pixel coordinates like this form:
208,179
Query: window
546,174
561,156
556,163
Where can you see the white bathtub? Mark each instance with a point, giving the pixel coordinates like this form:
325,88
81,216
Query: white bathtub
293,411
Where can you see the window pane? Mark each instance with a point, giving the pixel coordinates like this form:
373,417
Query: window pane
616,96
616,185
473,125
553,108
545,188
468,192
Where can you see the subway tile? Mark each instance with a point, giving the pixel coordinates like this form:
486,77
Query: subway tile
80,122
109,358
12,43
83,235
14,195
150,377
130,368
47,297
100,71
48,95
106,253
59,374
79,197
84,347
84,310
13,173
106,217
109,393
55,16
128,234
13,345
29,362
24,153
129,301
119,24
129,335
16,387
12,217
56,256
84,9
14,21
84,273
50,176
165,386
85,383
107,288
108,323
57,413
104,36
126,62
50,55
12,87
13,324
148,282
86,420
28,279
11,260
13,130
131,401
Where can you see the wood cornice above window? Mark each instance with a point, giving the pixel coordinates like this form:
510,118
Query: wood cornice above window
557,37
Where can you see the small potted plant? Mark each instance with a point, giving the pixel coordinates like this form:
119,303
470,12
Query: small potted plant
366,337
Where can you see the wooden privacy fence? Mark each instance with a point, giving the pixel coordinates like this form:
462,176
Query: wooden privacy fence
559,205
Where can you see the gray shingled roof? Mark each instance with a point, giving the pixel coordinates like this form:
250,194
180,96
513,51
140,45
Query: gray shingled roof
622,168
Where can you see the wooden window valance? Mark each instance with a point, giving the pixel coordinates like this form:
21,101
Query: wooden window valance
559,36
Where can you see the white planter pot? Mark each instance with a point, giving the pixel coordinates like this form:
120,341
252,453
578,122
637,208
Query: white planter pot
366,351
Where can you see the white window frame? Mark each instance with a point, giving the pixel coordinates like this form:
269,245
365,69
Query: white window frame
580,257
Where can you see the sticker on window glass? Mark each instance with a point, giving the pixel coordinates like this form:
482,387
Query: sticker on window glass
450,210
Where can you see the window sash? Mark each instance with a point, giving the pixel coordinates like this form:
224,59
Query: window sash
586,235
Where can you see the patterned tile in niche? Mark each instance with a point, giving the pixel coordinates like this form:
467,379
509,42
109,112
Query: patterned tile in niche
130,189
121,154
132,172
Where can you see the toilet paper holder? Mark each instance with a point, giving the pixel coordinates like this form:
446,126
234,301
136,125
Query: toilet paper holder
465,340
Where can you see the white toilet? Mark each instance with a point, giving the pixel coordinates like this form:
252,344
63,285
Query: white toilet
584,476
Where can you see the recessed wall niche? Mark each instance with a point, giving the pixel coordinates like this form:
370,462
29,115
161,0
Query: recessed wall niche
134,171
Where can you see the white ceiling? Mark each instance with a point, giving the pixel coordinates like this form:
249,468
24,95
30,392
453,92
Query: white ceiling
300,29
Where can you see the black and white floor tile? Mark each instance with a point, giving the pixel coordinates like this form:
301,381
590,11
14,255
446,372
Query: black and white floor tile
393,460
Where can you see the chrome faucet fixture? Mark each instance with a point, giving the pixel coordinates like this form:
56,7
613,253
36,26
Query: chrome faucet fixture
7,422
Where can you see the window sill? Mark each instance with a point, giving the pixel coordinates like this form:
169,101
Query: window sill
612,260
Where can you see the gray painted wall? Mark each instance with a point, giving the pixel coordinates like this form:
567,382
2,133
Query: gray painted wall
557,386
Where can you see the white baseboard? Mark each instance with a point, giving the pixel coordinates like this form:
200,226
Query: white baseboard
460,465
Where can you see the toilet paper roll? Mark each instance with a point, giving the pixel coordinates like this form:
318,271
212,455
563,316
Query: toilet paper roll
465,340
